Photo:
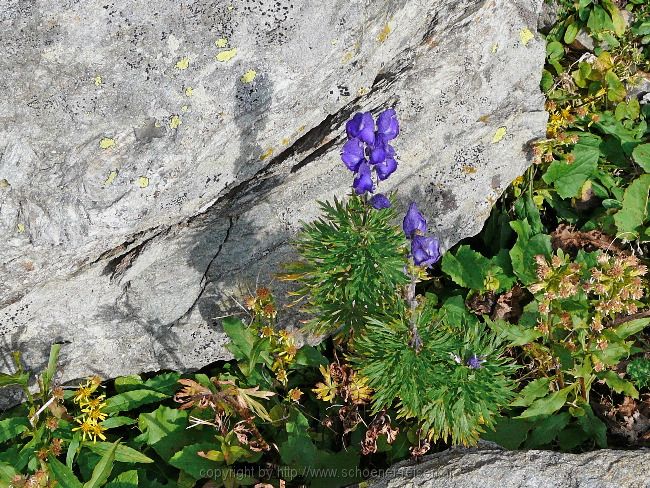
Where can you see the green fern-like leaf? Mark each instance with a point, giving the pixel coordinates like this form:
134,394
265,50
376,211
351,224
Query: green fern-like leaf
452,401
352,264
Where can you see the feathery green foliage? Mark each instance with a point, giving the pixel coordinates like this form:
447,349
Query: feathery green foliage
352,263
438,386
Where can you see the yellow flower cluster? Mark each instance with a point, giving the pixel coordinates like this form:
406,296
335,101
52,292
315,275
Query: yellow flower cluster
282,343
92,410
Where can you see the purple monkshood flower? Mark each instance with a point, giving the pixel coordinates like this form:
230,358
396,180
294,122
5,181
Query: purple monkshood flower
387,125
353,154
380,201
475,362
363,181
386,168
414,223
361,126
425,250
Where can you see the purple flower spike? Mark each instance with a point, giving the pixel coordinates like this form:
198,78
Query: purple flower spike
380,201
362,125
387,125
475,362
378,154
363,181
425,250
386,168
352,154
414,223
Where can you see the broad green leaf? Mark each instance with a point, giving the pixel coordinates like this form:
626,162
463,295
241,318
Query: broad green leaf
532,391
631,217
189,461
515,334
547,430
164,383
132,399
11,427
467,268
52,362
593,426
571,437
615,88
525,249
548,404
127,479
569,178
241,337
641,155
618,384
63,474
7,472
508,432
123,453
571,33
626,329
113,422
103,468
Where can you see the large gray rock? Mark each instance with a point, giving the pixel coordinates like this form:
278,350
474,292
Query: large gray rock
125,234
494,468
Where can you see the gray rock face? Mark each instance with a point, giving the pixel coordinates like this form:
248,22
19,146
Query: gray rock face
157,157
487,468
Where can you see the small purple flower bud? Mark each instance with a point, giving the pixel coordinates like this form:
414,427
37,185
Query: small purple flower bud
362,125
387,125
386,168
414,223
475,362
425,250
380,201
352,154
363,181
378,154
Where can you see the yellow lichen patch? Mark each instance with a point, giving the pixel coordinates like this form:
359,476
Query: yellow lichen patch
184,108
363,91
347,57
222,42
224,56
249,76
106,143
334,42
499,134
143,182
174,122
189,91
468,169
495,47
484,118
284,142
20,228
266,154
111,178
98,80
383,35
4,183
183,63
525,36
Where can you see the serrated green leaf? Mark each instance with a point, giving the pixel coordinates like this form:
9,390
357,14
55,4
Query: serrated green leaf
626,329
615,88
567,178
547,430
164,383
618,384
128,479
7,473
641,155
189,461
467,268
532,391
11,427
123,453
63,474
509,433
547,405
525,249
631,217
241,337
132,399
